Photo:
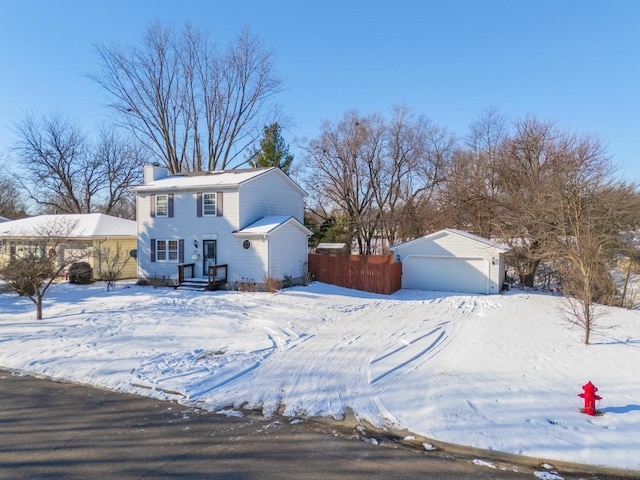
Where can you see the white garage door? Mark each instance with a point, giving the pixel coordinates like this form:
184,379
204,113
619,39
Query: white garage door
467,275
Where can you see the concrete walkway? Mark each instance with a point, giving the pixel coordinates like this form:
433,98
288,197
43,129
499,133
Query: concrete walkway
58,430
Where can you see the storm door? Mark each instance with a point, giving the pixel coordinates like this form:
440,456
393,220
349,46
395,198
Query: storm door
208,255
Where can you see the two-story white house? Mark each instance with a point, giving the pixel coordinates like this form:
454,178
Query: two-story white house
249,220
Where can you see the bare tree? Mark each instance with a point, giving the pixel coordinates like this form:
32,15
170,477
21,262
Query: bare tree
417,154
66,174
39,260
121,163
532,163
591,217
341,163
112,263
379,175
56,155
11,203
192,104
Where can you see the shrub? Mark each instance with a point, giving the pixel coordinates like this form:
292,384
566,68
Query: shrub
157,282
272,284
80,273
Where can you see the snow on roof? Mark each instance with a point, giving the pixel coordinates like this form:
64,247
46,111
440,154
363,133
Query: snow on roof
70,225
470,236
202,179
336,246
486,241
266,225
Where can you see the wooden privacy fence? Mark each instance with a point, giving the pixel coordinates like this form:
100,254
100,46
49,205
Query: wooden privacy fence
370,273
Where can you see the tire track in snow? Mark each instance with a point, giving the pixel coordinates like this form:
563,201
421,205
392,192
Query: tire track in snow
350,355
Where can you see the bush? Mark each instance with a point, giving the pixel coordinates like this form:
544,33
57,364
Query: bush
80,273
272,284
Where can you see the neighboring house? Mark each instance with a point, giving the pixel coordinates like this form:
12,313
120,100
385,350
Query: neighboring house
250,220
454,261
4,219
93,237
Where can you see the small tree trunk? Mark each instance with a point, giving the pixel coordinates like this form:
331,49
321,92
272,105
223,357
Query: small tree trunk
39,308
587,325
528,279
587,313
626,284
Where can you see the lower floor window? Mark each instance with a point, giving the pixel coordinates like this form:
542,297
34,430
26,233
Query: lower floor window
167,250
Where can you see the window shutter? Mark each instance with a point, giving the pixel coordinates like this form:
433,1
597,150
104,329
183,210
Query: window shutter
199,204
170,202
181,250
219,204
153,205
153,250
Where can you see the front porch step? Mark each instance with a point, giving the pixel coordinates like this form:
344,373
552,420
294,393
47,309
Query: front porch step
193,284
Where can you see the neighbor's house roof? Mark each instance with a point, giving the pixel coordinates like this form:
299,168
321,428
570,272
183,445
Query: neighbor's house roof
469,236
218,178
266,225
90,225
4,219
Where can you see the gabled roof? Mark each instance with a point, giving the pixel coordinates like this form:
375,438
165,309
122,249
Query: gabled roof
459,233
219,178
476,238
267,225
90,225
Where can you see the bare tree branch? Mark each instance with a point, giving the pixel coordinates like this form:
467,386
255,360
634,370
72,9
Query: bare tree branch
192,105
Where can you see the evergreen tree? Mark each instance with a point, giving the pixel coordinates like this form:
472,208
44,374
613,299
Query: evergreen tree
273,151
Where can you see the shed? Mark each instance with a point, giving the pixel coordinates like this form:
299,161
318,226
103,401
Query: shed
336,248
452,260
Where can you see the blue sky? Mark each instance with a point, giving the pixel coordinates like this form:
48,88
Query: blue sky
573,62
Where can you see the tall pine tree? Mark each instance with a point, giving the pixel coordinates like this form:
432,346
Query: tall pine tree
273,151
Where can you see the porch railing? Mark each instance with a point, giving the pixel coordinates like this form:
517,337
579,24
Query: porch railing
186,270
217,276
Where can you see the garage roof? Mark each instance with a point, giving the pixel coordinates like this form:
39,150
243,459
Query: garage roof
470,236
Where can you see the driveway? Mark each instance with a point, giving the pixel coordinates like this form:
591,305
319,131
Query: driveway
59,430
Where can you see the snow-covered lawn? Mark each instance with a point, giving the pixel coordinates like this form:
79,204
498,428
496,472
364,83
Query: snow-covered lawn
499,372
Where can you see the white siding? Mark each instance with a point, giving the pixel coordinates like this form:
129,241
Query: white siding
186,225
270,194
289,252
250,264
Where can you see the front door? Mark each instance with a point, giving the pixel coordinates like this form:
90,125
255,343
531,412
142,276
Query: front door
208,255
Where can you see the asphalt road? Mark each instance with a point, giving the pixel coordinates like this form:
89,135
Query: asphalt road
54,430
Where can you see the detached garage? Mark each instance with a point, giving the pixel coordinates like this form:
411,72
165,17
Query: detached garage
453,261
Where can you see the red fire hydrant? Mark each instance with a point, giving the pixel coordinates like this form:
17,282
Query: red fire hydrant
590,397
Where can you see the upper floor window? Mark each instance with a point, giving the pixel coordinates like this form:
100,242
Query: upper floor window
209,204
162,205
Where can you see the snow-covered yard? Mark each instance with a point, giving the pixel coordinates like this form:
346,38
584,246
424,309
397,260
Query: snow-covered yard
496,372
